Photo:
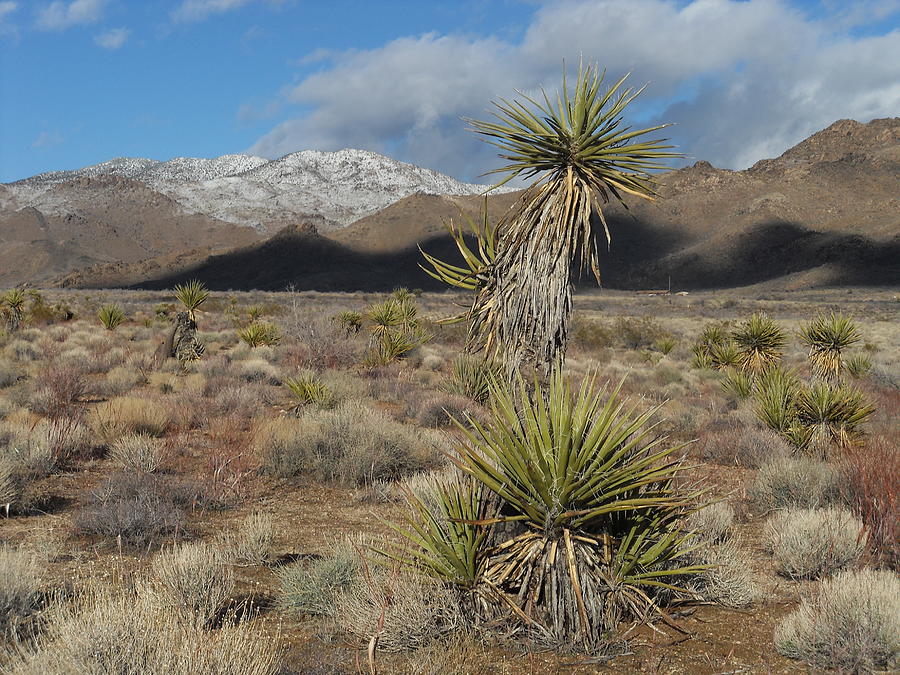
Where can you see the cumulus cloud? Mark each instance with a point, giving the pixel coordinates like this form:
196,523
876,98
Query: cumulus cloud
59,15
7,7
112,39
742,79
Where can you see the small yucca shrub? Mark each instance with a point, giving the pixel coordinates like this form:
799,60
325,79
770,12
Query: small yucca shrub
775,396
833,413
713,335
858,366
724,355
307,389
111,316
391,345
350,321
665,344
759,341
471,377
738,383
258,334
827,338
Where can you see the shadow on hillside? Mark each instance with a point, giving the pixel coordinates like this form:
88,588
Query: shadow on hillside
642,255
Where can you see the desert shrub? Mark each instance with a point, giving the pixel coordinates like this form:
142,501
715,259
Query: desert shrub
592,335
851,624
120,380
406,611
869,486
9,374
757,445
282,445
713,522
237,401
471,377
57,389
440,410
192,580
139,452
809,543
725,577
801,482
118,416
21,350
307,388
37,450
9,483
313,588
136,507
101,631
259,370
353,444
634,333
21,586
251,542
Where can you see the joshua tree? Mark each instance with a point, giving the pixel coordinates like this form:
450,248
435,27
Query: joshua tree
581,157
192,294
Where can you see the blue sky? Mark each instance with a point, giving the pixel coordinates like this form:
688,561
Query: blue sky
82,81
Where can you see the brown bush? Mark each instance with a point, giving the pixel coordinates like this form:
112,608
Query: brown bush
871,477
57,389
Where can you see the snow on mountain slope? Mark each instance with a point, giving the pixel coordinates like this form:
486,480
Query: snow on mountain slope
339,187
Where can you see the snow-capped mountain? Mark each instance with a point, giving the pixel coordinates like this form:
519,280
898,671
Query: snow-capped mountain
334,188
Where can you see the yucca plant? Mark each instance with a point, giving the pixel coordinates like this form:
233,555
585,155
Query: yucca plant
111,316
827,337
832,413
443,533
12,304
389,315
858,365
308,389
581,157
594,492
258,334
701,359
350,321
471,377
760,341
665,344
723,355
388,346
775,393
192,295
738,383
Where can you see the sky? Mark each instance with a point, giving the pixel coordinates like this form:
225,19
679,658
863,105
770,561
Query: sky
83,81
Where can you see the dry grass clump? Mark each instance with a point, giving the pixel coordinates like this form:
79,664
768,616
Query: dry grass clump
406,611
758,445
795,482
250,543
313,588
352,444
9,483
259,370
728,580
121,380
9,374
139,452
21,586
102,631
138,508
237,401
809,543
851,624
712,523
440,410
193,582
118,416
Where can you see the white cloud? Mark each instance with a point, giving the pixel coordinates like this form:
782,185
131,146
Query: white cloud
197,10
112,39
6,8
47,139
743,80
59,15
